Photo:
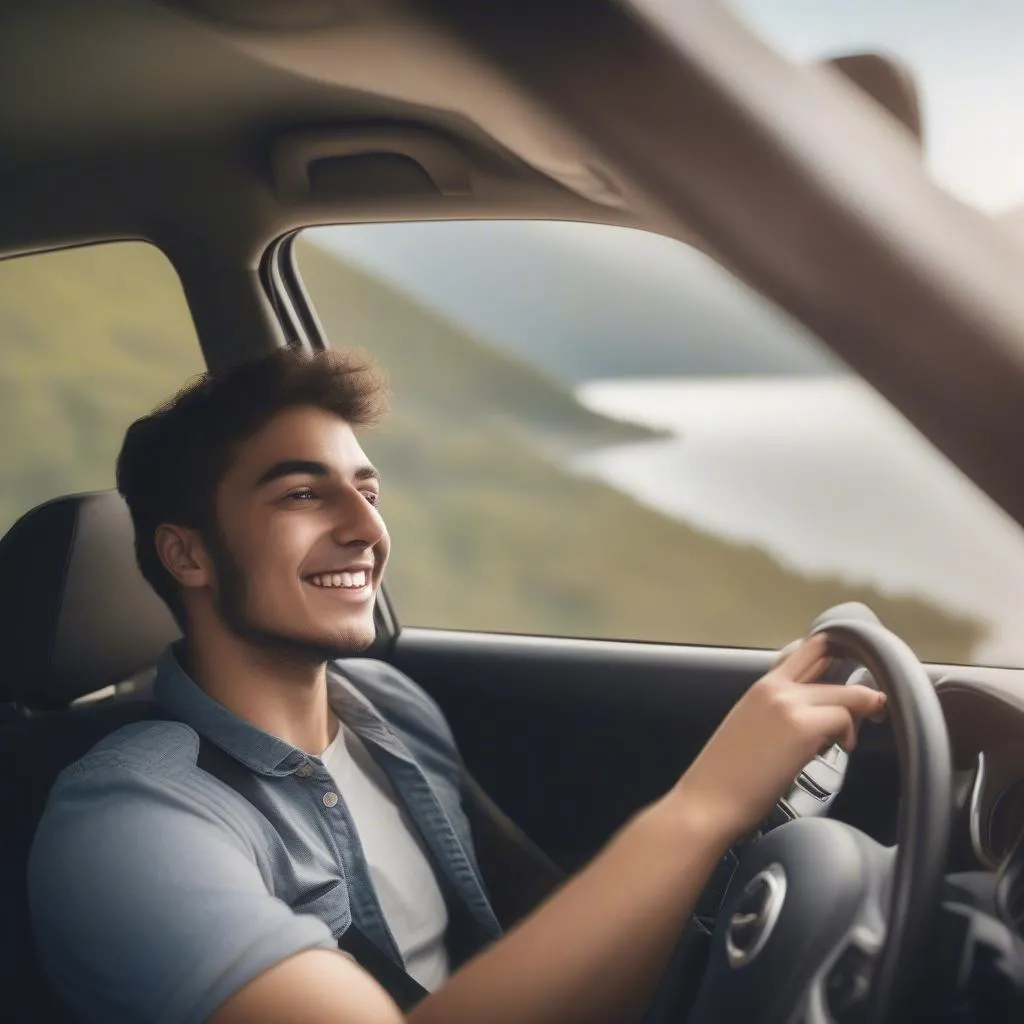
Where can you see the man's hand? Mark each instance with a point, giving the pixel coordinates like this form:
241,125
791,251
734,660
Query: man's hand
772,732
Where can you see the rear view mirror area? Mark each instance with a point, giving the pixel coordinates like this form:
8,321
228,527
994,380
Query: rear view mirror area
889,82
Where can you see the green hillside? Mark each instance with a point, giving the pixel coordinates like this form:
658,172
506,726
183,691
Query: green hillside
489,531
441,373
91,338
488,535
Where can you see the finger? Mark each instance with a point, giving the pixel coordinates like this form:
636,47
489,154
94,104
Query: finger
831,724
814,672
804,656
858,700
785,652
810,674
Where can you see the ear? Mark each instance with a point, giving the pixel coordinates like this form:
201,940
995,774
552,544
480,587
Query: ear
183,555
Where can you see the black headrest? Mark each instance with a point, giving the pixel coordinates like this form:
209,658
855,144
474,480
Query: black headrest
75,613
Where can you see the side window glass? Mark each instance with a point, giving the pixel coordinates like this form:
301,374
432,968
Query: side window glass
91,338
599,432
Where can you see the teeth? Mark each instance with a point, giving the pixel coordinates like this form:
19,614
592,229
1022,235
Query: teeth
352,580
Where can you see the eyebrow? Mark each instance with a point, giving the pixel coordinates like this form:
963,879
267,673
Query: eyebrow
305,467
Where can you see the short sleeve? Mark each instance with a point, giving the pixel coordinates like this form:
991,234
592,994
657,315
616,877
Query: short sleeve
149,904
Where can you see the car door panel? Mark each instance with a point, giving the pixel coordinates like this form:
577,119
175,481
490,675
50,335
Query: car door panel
571,737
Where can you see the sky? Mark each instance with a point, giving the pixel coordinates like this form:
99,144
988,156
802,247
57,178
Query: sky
966,58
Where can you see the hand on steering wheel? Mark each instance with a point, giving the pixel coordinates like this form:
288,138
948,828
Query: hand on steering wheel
782,721
822,923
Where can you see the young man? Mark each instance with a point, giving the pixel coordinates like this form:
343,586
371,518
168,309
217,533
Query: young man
159,893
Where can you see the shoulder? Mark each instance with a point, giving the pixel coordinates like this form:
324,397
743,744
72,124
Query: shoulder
148,892
150,748
143,775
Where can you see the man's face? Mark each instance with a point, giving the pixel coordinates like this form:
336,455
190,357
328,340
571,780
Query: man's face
301,546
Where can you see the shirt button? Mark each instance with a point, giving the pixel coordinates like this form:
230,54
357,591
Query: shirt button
305,770
330,799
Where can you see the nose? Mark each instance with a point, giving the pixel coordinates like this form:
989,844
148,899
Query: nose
357,522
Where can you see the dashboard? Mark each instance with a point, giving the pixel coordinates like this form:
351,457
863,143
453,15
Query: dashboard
984,712
985,719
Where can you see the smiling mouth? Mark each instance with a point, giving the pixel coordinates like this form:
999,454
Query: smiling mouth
350,581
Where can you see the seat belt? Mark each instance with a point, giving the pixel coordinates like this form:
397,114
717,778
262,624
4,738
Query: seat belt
517,873
405,990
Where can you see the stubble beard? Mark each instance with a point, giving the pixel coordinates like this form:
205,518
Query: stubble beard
232,605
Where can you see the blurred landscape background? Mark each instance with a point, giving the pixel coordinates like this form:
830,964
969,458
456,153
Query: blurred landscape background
494,528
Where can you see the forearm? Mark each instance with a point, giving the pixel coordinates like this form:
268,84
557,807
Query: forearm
595,950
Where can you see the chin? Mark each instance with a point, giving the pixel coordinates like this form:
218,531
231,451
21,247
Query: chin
319,645
351,640
327,645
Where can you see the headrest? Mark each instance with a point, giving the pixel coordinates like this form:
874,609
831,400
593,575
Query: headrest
75,613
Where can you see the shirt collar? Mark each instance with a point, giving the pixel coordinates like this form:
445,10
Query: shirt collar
175,691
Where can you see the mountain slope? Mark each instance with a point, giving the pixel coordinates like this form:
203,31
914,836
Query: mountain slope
90,339
439,370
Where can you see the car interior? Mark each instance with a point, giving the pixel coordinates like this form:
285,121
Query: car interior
218,129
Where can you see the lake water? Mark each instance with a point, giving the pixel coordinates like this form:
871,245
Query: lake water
825,475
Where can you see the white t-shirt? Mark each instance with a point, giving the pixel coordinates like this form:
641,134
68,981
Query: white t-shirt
401,871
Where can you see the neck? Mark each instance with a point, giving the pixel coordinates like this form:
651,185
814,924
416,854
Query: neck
276,691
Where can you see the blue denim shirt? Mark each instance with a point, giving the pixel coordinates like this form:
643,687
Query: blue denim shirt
156,891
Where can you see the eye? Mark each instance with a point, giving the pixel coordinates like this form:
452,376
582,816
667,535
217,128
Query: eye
303,494
373,497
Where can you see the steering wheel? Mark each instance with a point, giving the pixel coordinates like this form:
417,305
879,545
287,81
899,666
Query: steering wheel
822,923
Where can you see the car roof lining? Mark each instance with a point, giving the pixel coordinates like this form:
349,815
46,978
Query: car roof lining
911,289
108,98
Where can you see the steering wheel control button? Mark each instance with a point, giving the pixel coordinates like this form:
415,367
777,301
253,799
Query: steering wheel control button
827,777
848,983
833,755
330,799
781,815
304,771
755,915
809,785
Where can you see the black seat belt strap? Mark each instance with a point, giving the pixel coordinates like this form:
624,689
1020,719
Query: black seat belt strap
405,990
517,873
